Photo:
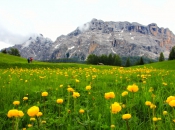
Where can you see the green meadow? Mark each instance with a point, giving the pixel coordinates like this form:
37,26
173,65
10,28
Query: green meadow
69,96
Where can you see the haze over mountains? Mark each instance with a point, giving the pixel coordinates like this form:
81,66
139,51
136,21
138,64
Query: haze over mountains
99,37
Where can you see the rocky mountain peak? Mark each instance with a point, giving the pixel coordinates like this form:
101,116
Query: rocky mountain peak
103,37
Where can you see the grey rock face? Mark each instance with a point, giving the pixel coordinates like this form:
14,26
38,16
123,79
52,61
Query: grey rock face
37,47
99,37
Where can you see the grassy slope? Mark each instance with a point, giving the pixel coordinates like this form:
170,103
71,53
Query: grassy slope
8,61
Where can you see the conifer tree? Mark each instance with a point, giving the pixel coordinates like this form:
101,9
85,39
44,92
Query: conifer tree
161,58
127,62
172,54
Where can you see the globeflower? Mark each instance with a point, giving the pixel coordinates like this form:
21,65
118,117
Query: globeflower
165,112
109,95
172,103
115,108
155,119
44,94
69,89
126,116
13,113
25,98
148,103
132,88
39,114
170,98
20,113
16,102
33,111
59,101
125,93
75,94
88,87
81,111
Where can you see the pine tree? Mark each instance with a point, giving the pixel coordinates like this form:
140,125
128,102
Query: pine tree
141,61
127,62
161,58
172,54
117,61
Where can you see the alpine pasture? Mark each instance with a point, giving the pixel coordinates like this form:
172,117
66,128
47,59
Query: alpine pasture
58,96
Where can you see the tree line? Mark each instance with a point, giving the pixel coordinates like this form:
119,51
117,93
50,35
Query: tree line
11,51
114,60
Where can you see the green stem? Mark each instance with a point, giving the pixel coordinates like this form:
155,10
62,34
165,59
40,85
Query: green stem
127,124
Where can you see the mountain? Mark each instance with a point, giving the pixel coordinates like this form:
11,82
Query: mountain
99,37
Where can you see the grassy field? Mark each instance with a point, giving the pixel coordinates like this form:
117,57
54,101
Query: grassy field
54,96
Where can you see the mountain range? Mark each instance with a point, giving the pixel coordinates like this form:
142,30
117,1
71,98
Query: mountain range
99,37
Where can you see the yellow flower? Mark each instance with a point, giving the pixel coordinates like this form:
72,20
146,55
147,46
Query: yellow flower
172,103
125,93
77,81
44,94
170,98
25,98
16,102
69,89
81,111
43,122
39,114
112,126
13,113
152,106
155,119
109,95
33,111
132,88
29,125
159,118
20,113
75,94
59,101
61,85
23,128
126,116
165,112
88,87
174,120
148,103
115,108
32,119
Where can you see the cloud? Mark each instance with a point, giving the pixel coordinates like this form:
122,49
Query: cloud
84,27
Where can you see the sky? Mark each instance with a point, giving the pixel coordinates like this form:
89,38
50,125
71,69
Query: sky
20,19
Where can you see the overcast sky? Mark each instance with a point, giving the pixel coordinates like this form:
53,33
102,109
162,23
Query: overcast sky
21,18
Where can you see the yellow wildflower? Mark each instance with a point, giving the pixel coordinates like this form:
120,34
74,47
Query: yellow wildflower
44,94
155,119
115,108
88,87
148,103
132,88
33,111
16,102
126,116
25,98
75,94
172,103
39,114
165,112
59,101
81,111
125,93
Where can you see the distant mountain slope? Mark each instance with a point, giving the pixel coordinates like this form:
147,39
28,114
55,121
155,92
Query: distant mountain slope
99,37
